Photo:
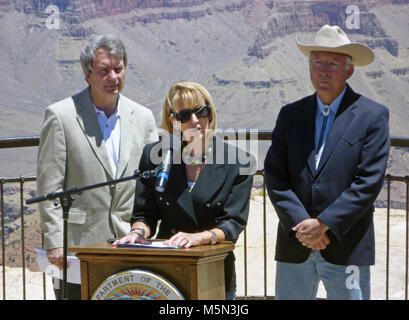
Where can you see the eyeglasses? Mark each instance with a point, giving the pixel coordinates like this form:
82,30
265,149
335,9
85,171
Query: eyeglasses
333,66
184,116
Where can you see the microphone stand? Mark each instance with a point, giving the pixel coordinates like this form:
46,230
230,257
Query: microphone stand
66,200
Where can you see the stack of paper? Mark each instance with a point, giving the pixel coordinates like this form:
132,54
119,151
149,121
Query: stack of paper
73,270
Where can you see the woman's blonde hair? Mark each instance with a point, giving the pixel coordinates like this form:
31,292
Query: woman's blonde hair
186,95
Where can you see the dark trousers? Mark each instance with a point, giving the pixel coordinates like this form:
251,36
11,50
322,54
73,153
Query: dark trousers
73,290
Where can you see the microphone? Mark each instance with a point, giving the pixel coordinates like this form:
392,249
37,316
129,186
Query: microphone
165,166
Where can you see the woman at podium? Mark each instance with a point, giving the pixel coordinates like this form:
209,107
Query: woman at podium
202,191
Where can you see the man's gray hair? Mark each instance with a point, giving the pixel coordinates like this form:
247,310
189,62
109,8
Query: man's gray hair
348,62
110,43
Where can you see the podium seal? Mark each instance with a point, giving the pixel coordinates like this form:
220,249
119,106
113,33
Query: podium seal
136,284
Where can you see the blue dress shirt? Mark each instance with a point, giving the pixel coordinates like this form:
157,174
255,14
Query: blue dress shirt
319,121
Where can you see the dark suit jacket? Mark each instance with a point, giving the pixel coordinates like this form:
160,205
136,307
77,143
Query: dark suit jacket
220,198
342,190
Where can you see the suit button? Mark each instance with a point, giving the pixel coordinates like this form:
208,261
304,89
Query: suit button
167,203
219,203
208,205
160,198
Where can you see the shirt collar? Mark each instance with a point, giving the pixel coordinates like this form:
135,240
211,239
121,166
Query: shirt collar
334,106
116,114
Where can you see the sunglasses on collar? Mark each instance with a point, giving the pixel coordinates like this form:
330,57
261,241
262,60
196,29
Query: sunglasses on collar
184,116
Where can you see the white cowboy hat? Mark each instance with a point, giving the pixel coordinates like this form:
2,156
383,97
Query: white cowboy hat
334,39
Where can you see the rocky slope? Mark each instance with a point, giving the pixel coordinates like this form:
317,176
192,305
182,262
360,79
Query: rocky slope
244,52
246,43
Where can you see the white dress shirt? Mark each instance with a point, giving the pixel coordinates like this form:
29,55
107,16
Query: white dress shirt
111,131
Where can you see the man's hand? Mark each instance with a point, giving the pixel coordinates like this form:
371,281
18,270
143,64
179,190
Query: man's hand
320,244
56,257
312,234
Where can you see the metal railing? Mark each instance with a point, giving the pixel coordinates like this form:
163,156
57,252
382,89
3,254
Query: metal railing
33,141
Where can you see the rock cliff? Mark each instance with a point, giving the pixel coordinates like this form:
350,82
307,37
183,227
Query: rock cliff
88,9
242,50
309,16
288,17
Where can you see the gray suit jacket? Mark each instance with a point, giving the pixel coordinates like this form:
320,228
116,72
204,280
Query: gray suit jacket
72,153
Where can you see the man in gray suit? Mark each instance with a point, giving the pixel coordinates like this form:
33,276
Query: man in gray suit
94,136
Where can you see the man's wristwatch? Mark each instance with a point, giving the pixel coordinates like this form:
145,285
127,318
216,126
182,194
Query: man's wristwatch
138,230
213,239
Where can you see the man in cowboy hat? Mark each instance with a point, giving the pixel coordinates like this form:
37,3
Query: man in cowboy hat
323,172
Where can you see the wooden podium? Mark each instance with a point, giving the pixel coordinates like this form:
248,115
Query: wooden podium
198,272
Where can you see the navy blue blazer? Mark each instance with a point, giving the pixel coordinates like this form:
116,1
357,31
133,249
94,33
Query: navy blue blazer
342,190
220,198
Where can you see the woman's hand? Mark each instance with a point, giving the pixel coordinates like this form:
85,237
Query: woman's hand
187,240
131,238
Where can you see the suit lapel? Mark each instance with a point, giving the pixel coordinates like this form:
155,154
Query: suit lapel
209,182
341,122
178,186
309,118
88,122
213,174
210,179
127,121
